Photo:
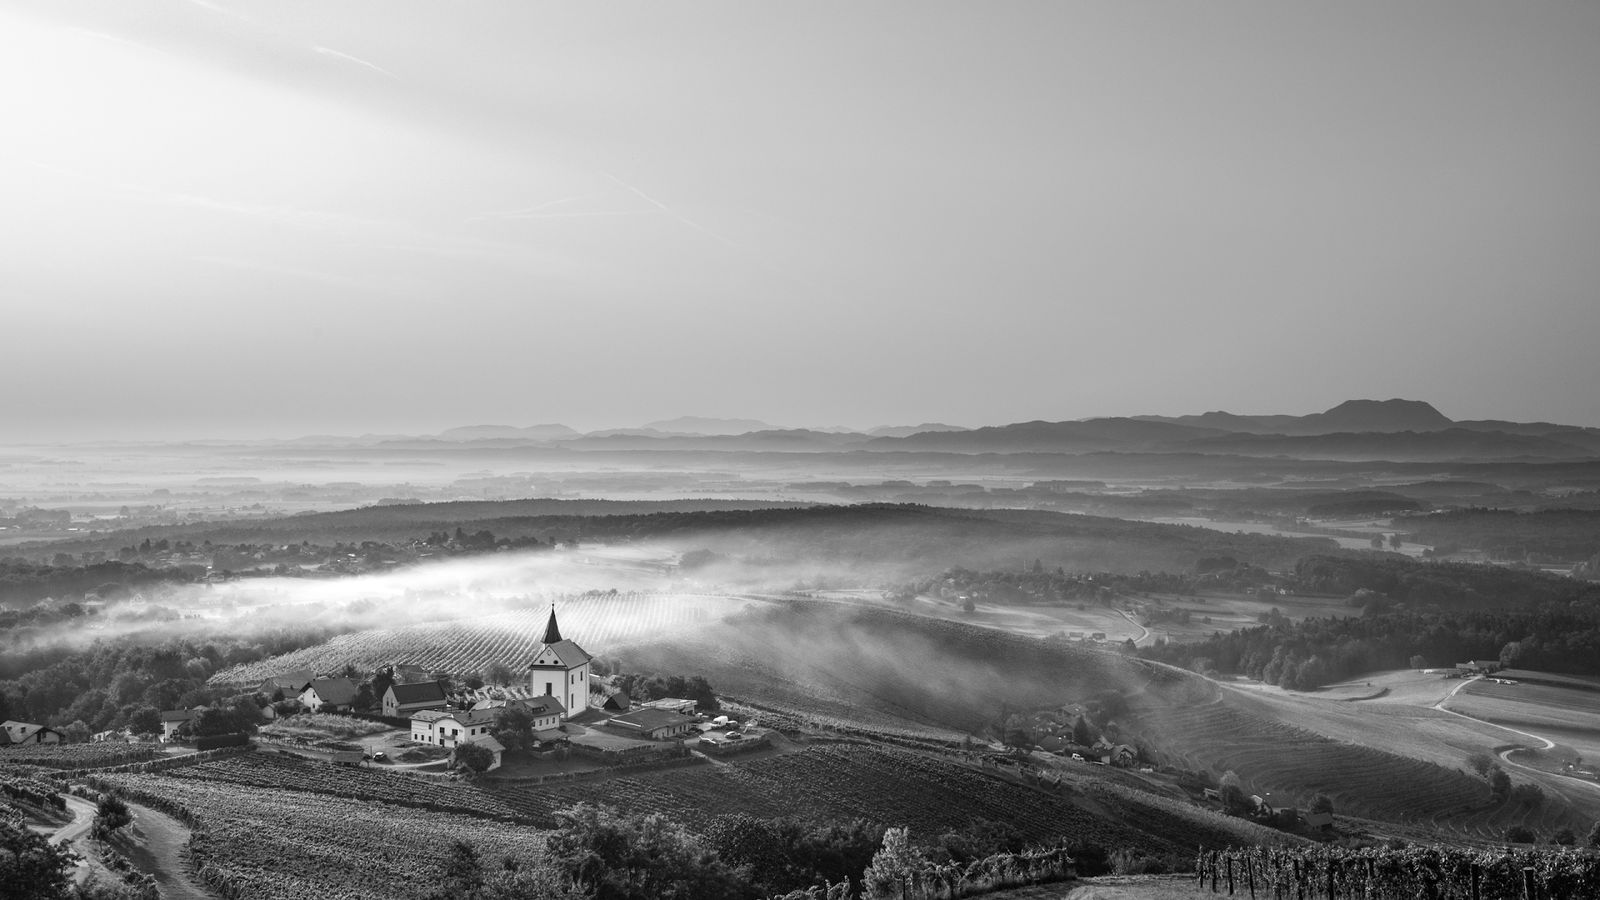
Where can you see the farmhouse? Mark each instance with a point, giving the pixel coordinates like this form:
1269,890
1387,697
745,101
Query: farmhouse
332,694
450,728
290,683
655,724
173,719
560,669
26,733
401,700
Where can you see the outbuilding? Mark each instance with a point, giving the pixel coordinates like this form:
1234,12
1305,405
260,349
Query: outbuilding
655,724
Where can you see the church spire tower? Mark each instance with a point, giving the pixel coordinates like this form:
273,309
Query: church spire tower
552,631
560,668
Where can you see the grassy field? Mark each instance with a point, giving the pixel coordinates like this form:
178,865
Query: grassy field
1393,758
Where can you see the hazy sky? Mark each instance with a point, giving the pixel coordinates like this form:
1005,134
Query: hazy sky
239,219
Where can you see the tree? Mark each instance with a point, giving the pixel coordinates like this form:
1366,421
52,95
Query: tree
1081,733
637,857
1321,803
1594,836
463,878
145,720
1419,661
76,733
893,866
473,680
514,728
1521,834
1499,784
498,673
31,867
967,606
110,814
475,757
1233,798
1564,837
1481,763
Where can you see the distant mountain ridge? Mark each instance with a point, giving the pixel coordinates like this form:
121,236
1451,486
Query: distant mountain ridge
1394,429
1352,416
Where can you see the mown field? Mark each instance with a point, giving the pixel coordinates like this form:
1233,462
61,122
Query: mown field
1383,762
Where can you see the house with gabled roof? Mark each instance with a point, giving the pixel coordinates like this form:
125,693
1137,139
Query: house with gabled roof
401,700
450,728
329,695
18,733
291,683
560,669
173,719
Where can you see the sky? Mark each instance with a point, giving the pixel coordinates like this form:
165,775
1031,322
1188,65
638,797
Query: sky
229,219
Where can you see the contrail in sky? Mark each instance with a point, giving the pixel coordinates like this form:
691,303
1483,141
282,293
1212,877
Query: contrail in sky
669,211
329,51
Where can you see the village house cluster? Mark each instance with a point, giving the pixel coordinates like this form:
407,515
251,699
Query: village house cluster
570,708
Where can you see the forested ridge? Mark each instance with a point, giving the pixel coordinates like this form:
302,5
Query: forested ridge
1404,612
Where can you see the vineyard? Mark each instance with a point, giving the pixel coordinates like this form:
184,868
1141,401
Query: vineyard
1408,874
273,771
601,623
894,787
77,756
286,845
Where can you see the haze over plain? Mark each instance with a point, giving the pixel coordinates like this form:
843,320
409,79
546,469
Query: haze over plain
235,220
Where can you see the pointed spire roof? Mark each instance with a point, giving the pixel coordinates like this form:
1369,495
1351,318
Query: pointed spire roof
552,632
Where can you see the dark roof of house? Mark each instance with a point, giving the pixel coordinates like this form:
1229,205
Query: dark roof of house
617,700
650,719
418,692
337,691
178,715
545,705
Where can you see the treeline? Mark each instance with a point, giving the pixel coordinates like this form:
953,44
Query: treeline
23,582
1438,584
1314,652
116,683
1412,613
1551,535
600,854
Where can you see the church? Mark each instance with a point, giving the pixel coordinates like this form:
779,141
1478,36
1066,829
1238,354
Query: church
560,669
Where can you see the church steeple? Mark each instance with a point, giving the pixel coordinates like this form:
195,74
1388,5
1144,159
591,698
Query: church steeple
552,632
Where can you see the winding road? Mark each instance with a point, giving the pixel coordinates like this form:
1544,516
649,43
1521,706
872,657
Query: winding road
1505,755
83,813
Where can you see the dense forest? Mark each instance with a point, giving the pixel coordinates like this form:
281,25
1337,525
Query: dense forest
1547,536
1406,613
